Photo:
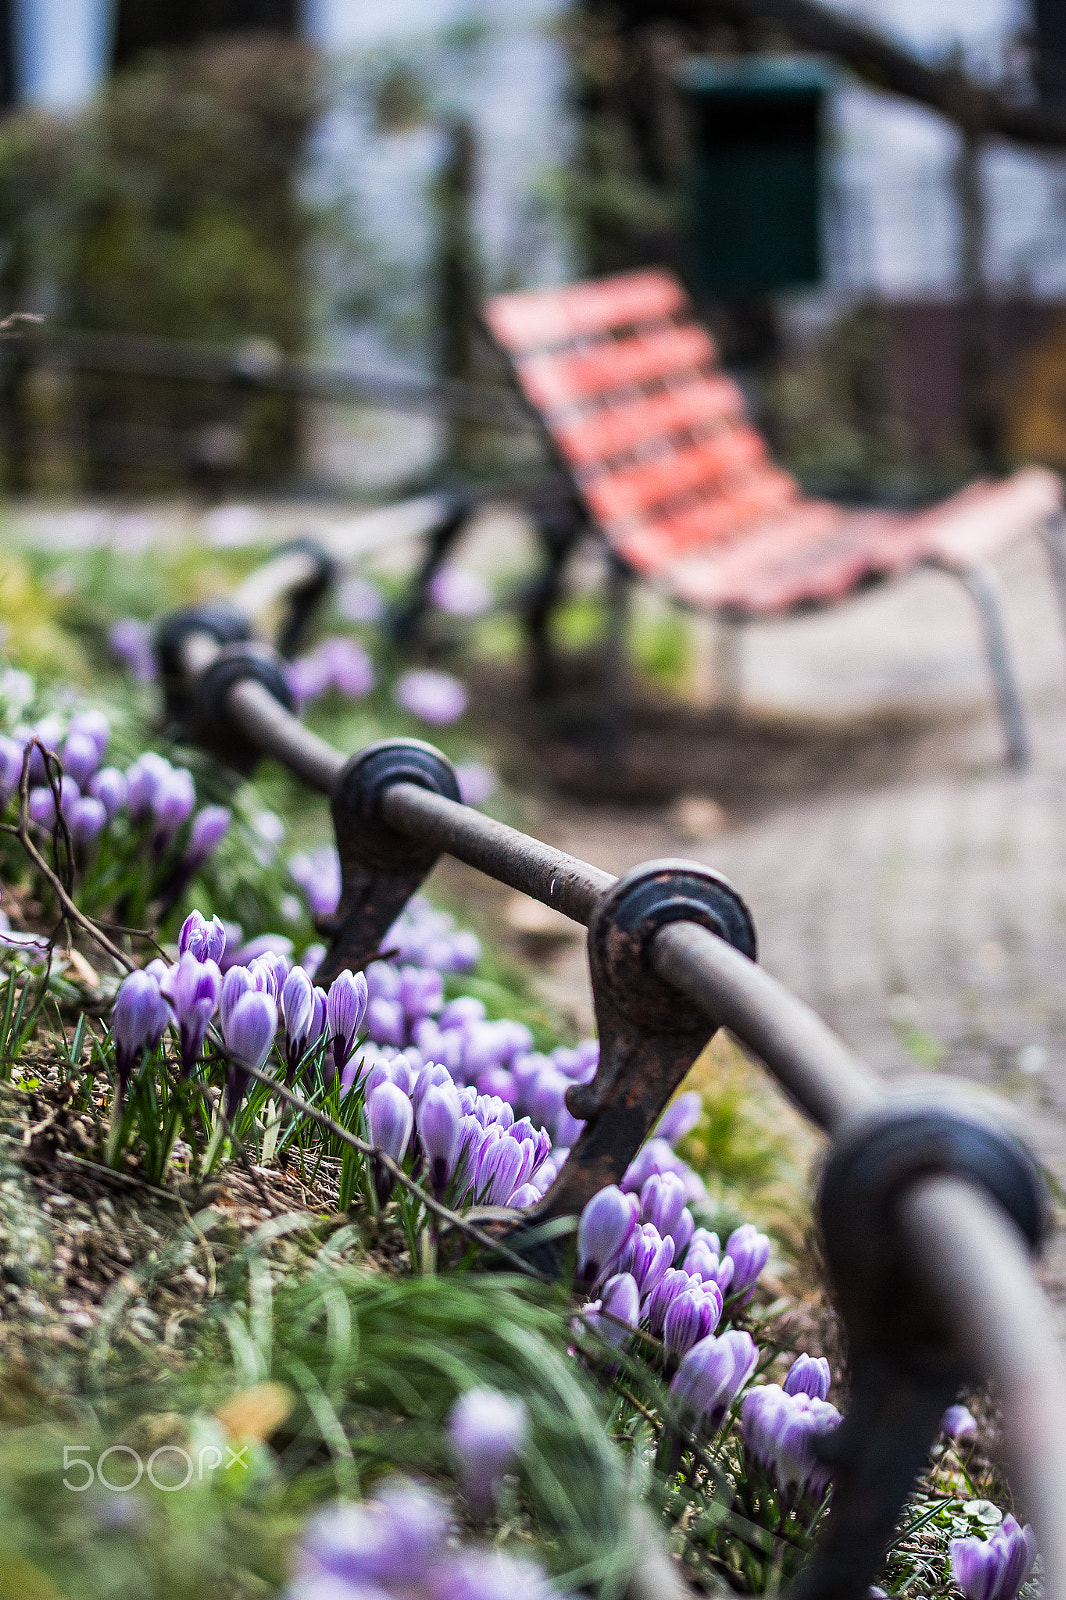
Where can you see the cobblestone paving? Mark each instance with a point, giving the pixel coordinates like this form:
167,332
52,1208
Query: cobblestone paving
924,916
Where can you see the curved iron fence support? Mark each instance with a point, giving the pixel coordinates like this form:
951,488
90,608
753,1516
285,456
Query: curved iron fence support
929,1215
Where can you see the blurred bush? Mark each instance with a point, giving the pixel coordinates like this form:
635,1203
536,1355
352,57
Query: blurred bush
169,208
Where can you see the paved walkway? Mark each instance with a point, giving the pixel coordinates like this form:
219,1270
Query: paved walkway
915,892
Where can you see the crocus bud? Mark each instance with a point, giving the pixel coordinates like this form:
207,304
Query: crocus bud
346,1003
662,1200
109,787
268,972
193,988
209,827
86,821
749,1251
247,1033
673,1282
439,1116
172,806
487,1429
390,1118
238,981
462,1013
994,1569
79,757
958,1422
712,1374
143,778
298,1011
202,939
603,1232
691,1316
137,1022
811,1375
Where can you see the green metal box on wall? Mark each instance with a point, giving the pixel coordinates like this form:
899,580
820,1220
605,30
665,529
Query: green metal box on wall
755,184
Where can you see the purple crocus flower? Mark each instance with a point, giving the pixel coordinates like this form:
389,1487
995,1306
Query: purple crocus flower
994,1569
392,1539
617,1312
42,805
682,1234
137,1022
662,1200
680,1117
303,1008
346,1004
701,1262
318,873
749,1251
958,1423
477,782
131,643
194,989
385,1021
11,758
109,787
421,992
502,1167
360,600
143,779
172,806
810,1375
95,726
202,939
439,1117
712,1374
488,1575
79,757
462,1013
603,1232
460,592
781,1431
690,1317
436,697
86,821
209,827
268,972
486,1429
247,1033
349,669
674,1281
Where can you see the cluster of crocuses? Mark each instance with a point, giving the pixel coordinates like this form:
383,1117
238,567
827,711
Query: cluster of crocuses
654,1269
154,801
336,665
250,1002
403,1544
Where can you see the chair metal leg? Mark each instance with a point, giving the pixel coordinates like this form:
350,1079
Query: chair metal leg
1055,539
559,528
615,639
404,623
984,586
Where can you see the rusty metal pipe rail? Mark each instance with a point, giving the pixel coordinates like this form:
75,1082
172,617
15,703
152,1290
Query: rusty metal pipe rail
953,1232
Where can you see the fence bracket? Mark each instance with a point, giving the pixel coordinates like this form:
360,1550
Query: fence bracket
380,868
649,1033
906,1364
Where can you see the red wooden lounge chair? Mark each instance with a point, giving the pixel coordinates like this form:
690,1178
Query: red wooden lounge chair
666,464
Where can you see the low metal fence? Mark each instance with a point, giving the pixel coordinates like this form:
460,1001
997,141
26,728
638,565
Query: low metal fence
930,1214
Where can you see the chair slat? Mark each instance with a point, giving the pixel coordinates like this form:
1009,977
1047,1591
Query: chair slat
694,405
524,322
555,381
710,463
